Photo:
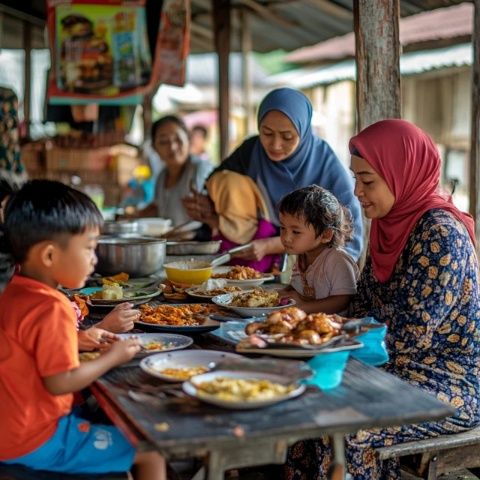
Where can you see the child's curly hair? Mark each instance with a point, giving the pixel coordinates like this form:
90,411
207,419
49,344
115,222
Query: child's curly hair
319,208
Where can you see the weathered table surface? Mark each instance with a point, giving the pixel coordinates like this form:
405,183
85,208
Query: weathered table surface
181,427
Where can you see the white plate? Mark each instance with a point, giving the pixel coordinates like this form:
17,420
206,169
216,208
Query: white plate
190,389
249,282
193,292
291,352
206,326
136,297
154,364
225,300
169,340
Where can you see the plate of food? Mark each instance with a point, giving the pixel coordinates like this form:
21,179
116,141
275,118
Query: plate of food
187,318
242,390
180,366
253,303
153,343
111,295
196,292
242,276
290,332
123,279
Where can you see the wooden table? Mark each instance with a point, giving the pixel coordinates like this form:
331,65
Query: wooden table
186,428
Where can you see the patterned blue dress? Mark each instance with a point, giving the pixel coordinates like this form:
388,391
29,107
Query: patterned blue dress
431,305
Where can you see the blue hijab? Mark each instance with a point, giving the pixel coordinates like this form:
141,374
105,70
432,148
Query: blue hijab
312,161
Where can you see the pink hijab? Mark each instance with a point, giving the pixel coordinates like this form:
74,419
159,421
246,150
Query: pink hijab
408,160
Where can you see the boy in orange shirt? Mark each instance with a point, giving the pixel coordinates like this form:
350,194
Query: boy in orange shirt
51,231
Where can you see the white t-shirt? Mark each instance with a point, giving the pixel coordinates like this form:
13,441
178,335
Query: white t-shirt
333,272
169,200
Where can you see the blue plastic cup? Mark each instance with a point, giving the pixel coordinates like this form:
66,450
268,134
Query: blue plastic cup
328,369
374,351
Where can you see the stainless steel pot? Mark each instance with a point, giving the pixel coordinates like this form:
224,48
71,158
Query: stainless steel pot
193,248
120,227
138,256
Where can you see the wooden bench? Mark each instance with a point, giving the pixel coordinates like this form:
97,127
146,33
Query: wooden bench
18,472
437,456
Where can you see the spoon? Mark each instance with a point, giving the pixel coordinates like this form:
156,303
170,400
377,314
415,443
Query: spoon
227,256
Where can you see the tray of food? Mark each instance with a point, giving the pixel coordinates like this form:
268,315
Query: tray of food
290,332
188,318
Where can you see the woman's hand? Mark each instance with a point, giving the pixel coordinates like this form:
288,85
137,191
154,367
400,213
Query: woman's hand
260,248
199,207
95,339
120,319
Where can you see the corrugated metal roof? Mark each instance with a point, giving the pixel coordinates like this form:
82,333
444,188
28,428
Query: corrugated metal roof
444,23
276,24
412,63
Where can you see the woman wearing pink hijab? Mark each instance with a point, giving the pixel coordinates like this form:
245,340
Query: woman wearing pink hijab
421,279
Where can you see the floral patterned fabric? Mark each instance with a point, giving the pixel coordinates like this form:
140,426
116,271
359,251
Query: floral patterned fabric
431,305
9,142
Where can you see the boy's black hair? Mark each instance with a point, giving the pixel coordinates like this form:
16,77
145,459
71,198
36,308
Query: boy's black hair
169,119
319,208
46,210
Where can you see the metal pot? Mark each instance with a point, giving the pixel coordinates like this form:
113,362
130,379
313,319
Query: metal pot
120,227
138,256
193,248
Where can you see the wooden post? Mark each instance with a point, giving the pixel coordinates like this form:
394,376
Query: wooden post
147,115
247,70
221,25
378,60
27,46
474,186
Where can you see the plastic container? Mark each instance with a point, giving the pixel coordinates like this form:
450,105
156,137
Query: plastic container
374,351
154,227
328,369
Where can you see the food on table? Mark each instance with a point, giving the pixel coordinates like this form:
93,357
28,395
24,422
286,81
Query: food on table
111,291
179,315
236,390
88,356
239,273
174,290
256,298
216,291
154,345
184,373
118,279
293,326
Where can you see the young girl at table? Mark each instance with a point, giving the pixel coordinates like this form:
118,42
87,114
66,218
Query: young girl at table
51,231
315,227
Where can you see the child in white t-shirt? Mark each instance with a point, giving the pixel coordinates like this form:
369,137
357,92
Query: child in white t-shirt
315,226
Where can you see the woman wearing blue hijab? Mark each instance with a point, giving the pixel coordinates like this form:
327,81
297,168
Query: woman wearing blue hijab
287,155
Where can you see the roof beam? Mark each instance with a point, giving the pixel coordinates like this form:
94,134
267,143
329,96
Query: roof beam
269,14
332,9
202,42
201,31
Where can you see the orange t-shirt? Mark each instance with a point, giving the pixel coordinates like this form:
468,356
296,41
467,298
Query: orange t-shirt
38,338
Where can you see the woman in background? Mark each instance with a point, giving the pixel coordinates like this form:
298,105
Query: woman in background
182,172
286,155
